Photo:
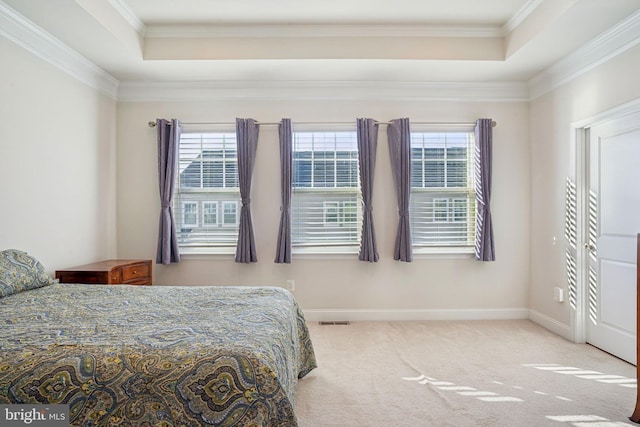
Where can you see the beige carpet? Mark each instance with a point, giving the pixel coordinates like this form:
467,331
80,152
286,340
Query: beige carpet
442,373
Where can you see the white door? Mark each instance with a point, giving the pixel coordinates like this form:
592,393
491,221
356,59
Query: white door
613,221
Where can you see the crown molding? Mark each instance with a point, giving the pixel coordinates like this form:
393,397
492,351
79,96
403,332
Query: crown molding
320,30
34,39
601,49
141,91
129,15
519,17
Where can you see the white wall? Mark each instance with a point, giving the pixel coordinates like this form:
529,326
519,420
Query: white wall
434,287
57,163
552,161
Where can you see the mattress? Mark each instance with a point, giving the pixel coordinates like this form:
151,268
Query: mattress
158,355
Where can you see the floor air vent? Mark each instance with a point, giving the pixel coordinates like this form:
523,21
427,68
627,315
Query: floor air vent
338,322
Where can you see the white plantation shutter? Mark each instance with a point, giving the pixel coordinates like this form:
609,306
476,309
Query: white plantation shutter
592,239
571,234
325,198
442,205
206,201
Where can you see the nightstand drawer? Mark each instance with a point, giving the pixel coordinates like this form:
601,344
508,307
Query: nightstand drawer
135,272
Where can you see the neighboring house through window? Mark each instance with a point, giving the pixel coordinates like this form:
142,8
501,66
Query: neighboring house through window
207,193
442,206
326,200
325,189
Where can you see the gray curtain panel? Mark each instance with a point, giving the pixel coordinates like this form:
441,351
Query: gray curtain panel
484,250
168,141
283,250
367,132
247,142
399,137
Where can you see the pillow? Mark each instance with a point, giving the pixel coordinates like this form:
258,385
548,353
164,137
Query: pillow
20,272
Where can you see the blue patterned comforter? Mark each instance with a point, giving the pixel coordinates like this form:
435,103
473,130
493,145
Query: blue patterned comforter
159,355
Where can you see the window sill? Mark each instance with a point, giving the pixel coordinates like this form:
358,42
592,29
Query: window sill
443,252
326,252
312,252
208,252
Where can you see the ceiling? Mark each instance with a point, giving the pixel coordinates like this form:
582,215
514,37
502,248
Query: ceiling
329,40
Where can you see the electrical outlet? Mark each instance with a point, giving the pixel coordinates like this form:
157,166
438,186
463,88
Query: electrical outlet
558,294
291,285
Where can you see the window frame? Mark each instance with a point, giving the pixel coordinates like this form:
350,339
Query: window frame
437,210
184,223
452,194
215,204
207,238
328,205
236,213
343,212
330,193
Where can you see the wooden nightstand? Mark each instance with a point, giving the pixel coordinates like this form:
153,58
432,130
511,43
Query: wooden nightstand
110,272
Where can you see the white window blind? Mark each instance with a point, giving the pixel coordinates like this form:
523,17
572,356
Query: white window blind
207,192
325,199
442,207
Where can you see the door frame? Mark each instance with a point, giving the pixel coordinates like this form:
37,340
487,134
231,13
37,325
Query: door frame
580,168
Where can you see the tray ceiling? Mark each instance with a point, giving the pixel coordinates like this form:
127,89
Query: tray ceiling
331,40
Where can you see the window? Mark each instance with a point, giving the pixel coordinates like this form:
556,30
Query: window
210,214
331,214
325,198
207,193
230,213
449,210
340,214
190,210
442,207
349,213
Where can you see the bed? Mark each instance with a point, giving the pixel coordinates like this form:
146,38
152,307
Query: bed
160,355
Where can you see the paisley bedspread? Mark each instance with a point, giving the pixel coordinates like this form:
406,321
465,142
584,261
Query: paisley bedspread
157,356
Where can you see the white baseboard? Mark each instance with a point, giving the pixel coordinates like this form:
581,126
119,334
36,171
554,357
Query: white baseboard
553,325
372,315
364,315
